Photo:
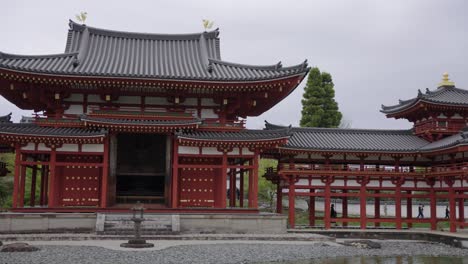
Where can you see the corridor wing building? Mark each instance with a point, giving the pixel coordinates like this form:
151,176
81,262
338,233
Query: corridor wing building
122,117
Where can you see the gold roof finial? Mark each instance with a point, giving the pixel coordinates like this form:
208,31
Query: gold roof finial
446,81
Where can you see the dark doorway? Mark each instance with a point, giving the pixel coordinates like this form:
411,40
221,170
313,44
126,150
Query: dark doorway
141,168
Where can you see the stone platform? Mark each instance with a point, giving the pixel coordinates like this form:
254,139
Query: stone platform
116,224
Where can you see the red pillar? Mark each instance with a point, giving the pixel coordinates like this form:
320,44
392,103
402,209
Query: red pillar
327,199
433,209
452,206
22,185
279,198
312,208
52,181
16,182
46,184
363,203
241,188
409,208
345,206
232,187
32,196
398,206
461,212
253,183
105,174
224,181
43,192
292,207
377,209
175,175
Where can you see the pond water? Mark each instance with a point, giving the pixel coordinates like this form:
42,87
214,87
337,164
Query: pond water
381,260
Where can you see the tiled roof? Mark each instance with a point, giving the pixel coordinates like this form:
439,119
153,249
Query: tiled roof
99,52
242,135
351,139
5,118
35,130
442,95
454,140
141,122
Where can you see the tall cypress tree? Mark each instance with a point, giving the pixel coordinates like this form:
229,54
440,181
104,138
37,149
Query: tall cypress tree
319,108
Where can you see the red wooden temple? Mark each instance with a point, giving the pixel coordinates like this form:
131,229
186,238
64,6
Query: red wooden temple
428,162
124,117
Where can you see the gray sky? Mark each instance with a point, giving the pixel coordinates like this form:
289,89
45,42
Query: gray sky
376,51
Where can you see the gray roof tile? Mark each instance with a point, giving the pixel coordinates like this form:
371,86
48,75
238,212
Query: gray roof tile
98,52
442,95
242,135
352,139
35,130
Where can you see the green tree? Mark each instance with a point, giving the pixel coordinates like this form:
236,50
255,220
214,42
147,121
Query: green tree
319,108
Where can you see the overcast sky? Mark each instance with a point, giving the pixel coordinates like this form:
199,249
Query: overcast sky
376,51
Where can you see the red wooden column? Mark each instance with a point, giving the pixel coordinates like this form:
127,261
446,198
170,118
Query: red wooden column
327,204
43,193
452,206
312,208
224,181
52,179
377,208
175,175
279,198
291,198
398,182
433,206
398,206
232,187
461,212
345,206
241,188
16,182
363,203
32,196
363,196
409,208
253,183
22,186
46,184
105,174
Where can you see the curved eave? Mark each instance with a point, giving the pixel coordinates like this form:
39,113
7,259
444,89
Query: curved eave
231,140
137,79
308,150
16,137
416,105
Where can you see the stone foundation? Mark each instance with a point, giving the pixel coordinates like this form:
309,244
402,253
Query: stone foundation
183,223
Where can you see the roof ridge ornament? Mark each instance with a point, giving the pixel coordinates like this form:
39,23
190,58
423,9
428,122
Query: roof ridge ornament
446,81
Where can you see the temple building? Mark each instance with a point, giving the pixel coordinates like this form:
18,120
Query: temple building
429,161
122,117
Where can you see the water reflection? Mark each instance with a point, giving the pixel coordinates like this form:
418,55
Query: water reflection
383,260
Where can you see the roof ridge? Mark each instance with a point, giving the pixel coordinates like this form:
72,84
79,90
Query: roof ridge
272,67
341,129
141,35
4,55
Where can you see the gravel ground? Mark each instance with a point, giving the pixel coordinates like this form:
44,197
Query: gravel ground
224,253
